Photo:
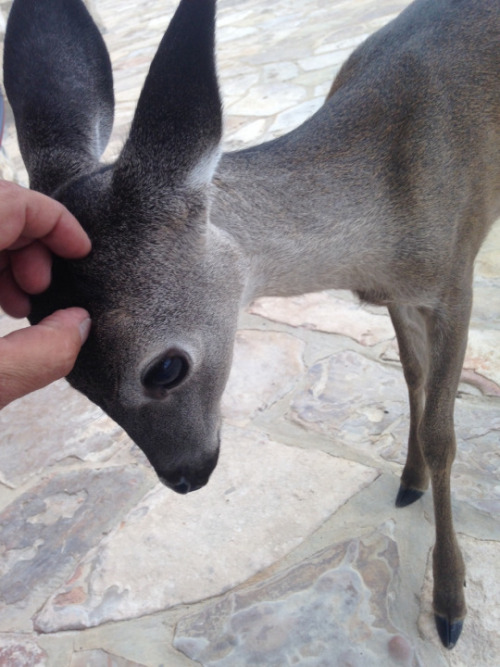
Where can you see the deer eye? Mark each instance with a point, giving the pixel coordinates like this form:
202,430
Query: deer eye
165,374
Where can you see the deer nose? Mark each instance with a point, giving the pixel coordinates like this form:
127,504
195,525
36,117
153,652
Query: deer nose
185,480
183,484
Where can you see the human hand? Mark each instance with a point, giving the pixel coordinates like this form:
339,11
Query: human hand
32,227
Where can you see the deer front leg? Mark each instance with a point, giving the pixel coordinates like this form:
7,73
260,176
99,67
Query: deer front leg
411,332
447,336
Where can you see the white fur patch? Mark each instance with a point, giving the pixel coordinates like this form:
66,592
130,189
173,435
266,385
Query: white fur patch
202,173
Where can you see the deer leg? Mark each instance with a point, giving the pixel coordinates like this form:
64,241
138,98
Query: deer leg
411,334
447,334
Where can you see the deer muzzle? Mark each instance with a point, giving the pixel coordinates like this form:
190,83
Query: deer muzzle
188,478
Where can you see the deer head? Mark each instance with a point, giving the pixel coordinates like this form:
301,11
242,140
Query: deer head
162,284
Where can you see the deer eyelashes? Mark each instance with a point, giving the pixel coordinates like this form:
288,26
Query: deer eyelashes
165,374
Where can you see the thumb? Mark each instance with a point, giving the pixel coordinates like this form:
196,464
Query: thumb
36,356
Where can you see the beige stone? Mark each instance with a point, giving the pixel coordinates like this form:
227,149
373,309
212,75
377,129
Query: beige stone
323,311
483,353
266,366
262,494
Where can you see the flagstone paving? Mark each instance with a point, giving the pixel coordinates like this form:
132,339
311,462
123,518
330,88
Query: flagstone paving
294,554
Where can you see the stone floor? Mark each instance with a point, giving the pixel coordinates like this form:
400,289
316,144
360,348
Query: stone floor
294,554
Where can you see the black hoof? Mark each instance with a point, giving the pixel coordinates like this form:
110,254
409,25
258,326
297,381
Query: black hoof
448,632
406,496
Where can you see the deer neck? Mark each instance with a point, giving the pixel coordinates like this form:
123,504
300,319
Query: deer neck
289,205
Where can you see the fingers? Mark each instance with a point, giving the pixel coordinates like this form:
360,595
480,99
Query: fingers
36,356
13,300
23,272
26,215
31,268
31,227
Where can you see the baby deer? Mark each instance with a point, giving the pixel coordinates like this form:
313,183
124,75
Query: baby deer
388,190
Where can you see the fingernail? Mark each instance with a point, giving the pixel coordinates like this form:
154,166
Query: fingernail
85,329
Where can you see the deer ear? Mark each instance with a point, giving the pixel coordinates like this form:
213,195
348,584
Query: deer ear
177,127
58,79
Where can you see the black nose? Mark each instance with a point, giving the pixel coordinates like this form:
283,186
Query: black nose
186,479
182,484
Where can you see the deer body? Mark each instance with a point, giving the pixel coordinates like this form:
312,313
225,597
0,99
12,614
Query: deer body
388,190
330,205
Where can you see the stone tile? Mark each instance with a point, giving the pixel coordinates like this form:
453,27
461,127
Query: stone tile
331,609
362,405
238,85
292,118
193,547
268,100
312,63
344,46
266,367
48,529
54,426
20,651
99,658
479,382
357,402
245,134
144,641
483,354
323,311
480,364
487,264
226,19
476,470
282,71
480,641
235,33
321,79
486,305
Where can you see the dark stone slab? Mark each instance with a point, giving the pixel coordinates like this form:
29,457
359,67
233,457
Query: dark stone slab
46,531
332,609
362,404
54,426
357,402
